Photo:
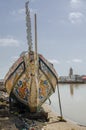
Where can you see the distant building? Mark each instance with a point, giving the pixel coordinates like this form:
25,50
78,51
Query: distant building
70,72
84,78
72,78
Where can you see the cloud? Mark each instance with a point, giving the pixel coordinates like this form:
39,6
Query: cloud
74,61
76,17
9,42
54,61
77,60
75,4
21,12
18,12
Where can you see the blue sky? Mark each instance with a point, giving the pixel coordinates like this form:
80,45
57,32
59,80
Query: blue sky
61,33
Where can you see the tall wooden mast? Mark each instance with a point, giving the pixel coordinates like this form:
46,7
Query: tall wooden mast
28,25
35,19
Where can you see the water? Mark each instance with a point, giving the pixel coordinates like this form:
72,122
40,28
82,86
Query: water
73,101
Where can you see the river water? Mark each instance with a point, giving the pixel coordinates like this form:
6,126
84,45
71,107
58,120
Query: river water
73,102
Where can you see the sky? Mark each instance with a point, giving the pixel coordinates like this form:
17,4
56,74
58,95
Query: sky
61,27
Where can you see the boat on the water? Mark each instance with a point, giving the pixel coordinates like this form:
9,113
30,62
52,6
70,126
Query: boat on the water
31,79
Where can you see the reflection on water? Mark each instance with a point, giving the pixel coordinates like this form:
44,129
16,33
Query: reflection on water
72,86
71,89
73,100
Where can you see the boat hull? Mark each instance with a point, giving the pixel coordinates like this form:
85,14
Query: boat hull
31,81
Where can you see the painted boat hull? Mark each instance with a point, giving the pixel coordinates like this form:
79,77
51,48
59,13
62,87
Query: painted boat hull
31,81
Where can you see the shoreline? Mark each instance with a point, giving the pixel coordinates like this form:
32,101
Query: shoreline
15,122
22,121
70,82
68,125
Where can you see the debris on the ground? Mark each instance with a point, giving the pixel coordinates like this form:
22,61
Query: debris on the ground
45,119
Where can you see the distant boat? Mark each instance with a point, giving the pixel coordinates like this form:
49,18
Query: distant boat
31,79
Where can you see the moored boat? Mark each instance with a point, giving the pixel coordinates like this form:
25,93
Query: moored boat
31,79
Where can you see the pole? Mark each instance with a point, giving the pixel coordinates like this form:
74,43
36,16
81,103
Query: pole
61,118
35,36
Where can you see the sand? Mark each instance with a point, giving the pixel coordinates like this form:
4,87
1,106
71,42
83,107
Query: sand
55,123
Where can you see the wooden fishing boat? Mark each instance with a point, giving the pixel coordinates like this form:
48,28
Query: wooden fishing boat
32,79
